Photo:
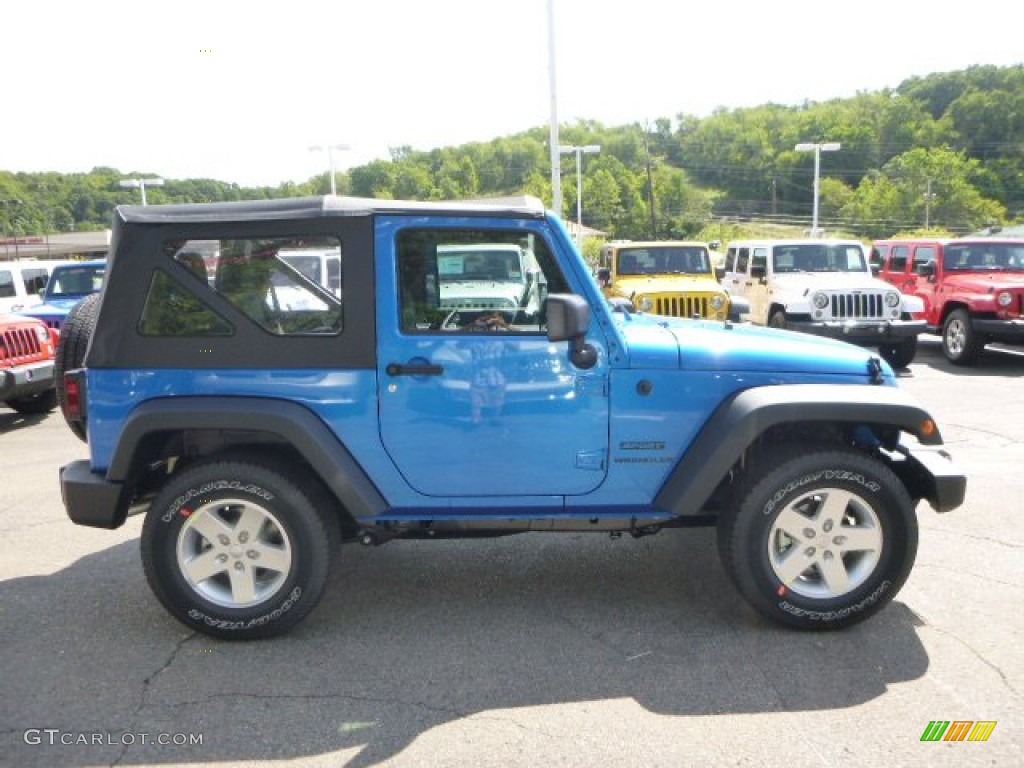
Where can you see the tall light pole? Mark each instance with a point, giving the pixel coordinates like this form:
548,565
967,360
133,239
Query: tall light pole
817,149
329,148
556,160
579,151
141,184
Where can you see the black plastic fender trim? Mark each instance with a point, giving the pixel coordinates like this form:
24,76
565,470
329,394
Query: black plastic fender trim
739,421
293,423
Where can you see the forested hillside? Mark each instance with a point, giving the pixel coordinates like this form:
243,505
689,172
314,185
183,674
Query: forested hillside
944,151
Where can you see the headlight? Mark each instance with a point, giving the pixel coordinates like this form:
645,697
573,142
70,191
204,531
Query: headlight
645,304
717,302
42,333
892,299
1004,299
820,300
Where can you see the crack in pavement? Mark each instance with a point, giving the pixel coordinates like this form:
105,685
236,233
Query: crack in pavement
981,658
960,572
144,694
966,535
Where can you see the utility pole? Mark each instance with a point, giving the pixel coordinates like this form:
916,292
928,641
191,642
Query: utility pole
650,186
928,197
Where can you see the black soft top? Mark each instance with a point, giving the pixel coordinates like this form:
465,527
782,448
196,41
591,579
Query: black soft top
327,205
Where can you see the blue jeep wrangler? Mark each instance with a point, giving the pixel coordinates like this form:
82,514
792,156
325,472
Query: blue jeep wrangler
259,418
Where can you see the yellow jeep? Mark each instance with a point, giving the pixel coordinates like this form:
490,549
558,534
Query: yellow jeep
669,277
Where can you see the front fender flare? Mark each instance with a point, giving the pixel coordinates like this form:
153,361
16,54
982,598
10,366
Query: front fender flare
740,420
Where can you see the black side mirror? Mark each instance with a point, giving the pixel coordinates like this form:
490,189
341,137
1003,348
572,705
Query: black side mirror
757,271
604,277
927,269
568,317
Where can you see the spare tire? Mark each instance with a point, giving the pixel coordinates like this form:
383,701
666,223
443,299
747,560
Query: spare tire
74,340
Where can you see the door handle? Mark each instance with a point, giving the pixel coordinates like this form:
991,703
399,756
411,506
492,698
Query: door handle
413,369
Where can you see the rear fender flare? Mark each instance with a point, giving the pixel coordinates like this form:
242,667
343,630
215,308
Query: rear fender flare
292,423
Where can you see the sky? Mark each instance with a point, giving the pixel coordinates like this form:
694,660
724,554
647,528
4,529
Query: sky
240,90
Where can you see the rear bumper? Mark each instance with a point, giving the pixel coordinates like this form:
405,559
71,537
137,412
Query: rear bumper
90,499
26,380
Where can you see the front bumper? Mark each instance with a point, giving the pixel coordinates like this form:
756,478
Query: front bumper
930,473
26,380
1009,331
865,332
90,499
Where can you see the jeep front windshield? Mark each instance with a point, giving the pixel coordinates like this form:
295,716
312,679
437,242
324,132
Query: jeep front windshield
76,281
984,256
460,264
673,260
818,257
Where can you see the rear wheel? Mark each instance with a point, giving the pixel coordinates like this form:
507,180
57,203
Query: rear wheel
820,539
238,549
777,319
960,342
74,340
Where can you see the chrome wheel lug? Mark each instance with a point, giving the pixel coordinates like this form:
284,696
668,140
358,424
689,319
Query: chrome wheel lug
810,551
222,558
252,554
223,539
243,537
809,533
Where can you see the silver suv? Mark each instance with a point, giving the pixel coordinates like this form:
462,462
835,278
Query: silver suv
824,287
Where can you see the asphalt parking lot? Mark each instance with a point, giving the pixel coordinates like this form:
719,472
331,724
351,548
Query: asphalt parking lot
532,650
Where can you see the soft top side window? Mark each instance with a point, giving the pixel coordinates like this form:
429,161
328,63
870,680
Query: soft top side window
283,284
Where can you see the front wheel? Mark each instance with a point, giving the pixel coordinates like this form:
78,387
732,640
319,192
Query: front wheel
238,550
900,354
41,402
819,539
960,342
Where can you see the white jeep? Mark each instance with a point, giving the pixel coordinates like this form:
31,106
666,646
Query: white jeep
824,287
488,278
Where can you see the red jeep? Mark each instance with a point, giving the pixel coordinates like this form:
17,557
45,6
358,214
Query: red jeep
972,288
26,364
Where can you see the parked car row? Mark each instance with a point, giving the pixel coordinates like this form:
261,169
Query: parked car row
42,293
970,291
23,281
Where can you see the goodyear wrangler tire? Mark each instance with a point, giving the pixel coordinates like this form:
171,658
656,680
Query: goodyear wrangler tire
74,340
819,539
237,549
